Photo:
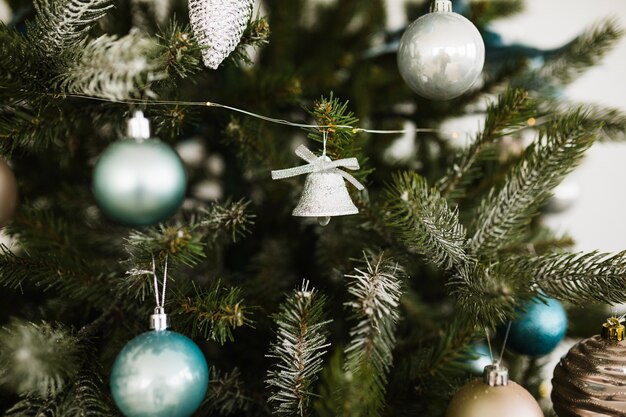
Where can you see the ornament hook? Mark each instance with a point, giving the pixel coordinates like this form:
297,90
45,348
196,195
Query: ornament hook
159,320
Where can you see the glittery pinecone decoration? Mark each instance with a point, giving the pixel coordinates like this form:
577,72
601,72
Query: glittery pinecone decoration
218,26
591,379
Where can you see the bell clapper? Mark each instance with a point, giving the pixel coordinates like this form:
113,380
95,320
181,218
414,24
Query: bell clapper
323,221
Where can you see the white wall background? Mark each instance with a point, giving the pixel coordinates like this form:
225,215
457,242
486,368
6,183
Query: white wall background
598,218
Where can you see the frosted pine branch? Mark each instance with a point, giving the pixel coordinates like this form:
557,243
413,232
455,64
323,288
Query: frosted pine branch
375,303
300,345
37,359
508,113
577,277
112,67
505,212
64,23
424,220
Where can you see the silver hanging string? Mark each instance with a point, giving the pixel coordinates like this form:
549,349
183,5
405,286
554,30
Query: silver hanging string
506,338
489,344
324,150
159,297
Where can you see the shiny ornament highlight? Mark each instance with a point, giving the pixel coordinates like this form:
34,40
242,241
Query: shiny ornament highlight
159,374
8,193
591,379
539,328
494,396
441,54
139,181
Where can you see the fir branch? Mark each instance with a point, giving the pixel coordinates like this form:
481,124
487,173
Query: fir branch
226,395
61,24
509,113
47,272
576,277
424,221
230,219
256,35
180,244
375,305
16,86
446,356
111,67
300,345
37,359
490,294
339,135
582,53
214,313
181,52
503,214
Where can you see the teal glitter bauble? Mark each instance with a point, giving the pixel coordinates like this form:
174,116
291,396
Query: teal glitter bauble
159,374
139,183
539,328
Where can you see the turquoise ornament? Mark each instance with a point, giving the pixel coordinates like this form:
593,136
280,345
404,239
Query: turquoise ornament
539,328
159,373
482,358
139,181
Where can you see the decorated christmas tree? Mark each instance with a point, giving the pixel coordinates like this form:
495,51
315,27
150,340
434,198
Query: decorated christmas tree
221,208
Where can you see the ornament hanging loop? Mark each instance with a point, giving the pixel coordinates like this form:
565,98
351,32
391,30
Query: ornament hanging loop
159,320
325,135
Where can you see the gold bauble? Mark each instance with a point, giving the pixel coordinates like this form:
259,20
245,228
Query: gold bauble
591,379
8,193
478,399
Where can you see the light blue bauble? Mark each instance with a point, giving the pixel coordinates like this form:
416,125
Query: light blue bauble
159,374
139,183
539,328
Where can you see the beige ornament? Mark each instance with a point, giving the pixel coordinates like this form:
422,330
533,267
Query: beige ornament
590,380
8,193
494,396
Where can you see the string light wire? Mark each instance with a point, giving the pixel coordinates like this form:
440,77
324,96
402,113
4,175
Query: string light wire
284,122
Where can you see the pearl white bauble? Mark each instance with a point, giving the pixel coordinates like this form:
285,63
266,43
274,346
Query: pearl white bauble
478,399
441,55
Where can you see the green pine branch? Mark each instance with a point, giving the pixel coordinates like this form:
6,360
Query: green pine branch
576,277
582,53
490,294
48,272
226,395
424,221
256,35
181,52
509,113
505,212
213,313
340,136
62,24
375,304
298,350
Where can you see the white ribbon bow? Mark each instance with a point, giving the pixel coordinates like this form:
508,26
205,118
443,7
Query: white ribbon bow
320,165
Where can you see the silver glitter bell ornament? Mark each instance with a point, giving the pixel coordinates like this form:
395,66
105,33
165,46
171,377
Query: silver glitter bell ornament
325,194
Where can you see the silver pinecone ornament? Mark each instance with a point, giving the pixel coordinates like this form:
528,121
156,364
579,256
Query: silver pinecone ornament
218,25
